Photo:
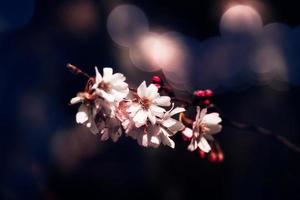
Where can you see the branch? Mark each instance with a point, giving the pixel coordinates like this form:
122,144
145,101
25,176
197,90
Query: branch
260,130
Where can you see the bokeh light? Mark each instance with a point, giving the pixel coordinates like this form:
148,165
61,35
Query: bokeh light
71,146
126,23
79,16
144,54
241,19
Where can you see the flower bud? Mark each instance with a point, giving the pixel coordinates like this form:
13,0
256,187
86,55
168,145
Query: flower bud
206,102
212,157
202,154
208,93
156,79
199,93
220,157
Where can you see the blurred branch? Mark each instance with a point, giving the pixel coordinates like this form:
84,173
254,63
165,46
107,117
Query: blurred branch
259,130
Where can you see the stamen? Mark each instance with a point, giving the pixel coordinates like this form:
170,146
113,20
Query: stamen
104,86
145,103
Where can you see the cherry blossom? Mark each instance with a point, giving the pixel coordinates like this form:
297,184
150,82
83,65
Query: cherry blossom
86,112
154,134
147,105
204,126
111,87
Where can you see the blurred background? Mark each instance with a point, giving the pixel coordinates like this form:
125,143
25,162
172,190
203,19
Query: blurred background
246,51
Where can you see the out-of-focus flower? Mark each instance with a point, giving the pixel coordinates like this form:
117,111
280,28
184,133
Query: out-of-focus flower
111,87
110,128
204,126
146,105
154,134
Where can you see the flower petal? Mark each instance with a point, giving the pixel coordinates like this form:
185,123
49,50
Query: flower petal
213,128
75,100
162,101
211,118
98,76
118,95
107,96
119,86
178,126
151,117
166,140
118,77
157,111
169,122
176,111
193,145
141,90
133,108
203,145
107,74
82,115
152,92
187,132
144,140
155,141
140,118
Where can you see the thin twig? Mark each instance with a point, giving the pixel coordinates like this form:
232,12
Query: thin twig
76,70
264,131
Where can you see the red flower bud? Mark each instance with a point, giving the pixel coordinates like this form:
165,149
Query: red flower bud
156,79
202,154
212,157
220,157
199,93
208,93
206,102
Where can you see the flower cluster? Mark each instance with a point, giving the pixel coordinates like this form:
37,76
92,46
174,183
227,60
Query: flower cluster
110,108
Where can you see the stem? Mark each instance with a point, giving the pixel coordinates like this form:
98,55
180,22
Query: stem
77,70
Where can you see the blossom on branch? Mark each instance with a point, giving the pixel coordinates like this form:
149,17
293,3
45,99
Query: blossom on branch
109,109
111,87
204,126
147,105
86,111
152,135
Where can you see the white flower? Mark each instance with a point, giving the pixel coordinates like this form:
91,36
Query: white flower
97,115
86,113
165,127
147,104
204,126
111,87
